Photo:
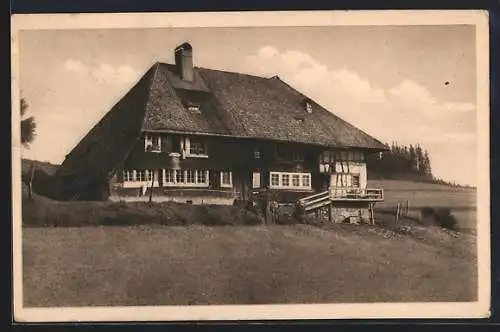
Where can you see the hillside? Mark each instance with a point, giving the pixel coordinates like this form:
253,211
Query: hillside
45,166
162,265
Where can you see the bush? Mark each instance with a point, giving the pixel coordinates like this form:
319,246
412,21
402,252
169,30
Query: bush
46,212
439,216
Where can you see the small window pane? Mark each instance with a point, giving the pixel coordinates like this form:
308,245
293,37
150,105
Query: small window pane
201,176
179,176
275,179
285,180
190,176
170,176
355,181
306,180
296,180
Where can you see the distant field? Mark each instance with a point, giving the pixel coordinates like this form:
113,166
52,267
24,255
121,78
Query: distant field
461,201
424,194
162,265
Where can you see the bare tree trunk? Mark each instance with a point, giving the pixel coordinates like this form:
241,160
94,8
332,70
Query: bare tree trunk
30,181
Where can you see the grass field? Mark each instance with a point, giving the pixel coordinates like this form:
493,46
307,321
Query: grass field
162,265
461,201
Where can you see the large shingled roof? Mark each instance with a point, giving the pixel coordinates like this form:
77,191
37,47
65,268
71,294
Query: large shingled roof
232,104
246,106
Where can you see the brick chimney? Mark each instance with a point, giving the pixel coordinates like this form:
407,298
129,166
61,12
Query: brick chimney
184,61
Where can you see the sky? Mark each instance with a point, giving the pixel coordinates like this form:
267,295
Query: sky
409,84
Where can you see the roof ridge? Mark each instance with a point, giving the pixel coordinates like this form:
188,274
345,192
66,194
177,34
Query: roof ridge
223,71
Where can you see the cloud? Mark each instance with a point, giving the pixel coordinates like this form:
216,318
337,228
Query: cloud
355,98
407,112
103,72
75,66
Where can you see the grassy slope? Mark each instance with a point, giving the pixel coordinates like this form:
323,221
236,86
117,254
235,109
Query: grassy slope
154,265
461,201
425,194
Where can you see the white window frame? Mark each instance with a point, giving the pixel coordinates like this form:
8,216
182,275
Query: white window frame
309,107
184,183
226,185
131,178
194,107
186,149
256,180
148,142
290,181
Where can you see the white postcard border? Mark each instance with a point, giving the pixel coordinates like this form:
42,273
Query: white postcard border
477,309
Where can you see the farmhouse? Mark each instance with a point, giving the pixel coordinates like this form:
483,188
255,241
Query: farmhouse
205,136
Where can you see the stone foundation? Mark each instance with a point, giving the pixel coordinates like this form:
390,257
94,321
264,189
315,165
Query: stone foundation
350,215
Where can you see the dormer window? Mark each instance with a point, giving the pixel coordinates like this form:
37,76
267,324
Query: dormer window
307,105
152,143
194,107
309,108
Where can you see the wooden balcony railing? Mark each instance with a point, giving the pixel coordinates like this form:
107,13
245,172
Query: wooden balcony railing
356,194
337,194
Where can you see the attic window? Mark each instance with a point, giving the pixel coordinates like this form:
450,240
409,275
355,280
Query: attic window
308,106
299,119
194,107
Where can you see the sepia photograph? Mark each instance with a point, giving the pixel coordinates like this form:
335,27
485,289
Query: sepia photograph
240,166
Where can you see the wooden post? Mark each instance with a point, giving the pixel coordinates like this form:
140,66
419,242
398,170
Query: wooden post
330,212
397,212
30,182
407,208
372,214
152,185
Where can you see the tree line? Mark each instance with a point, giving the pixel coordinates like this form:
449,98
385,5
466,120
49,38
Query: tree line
404,162
400,161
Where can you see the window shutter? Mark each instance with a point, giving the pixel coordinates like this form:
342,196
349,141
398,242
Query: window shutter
166,144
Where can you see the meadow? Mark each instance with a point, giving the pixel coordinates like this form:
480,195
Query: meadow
177,254
196,265
461,201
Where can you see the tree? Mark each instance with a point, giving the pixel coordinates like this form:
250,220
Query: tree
28,125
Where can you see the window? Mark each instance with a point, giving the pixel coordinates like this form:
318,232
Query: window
128,175
285,180
275,180
286,153
309,107
256,153
195,146
226,179
306,180
169,176
298,155
194,107
201,176
176,144
152,143
190,176
347,180
355,181
143,175
186,178
256,180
